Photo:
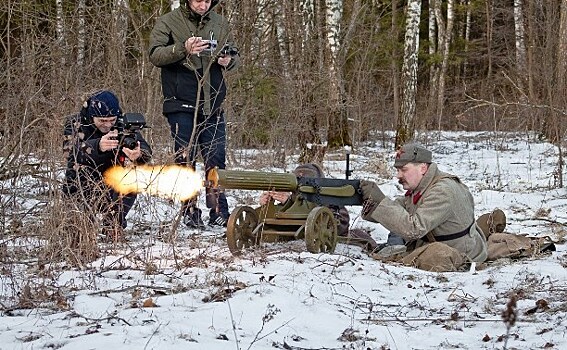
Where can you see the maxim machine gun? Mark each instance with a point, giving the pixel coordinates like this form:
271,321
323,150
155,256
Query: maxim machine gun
304,216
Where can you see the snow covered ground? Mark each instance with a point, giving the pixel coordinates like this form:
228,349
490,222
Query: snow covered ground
190,292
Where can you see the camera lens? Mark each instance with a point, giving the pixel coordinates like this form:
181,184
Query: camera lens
129,142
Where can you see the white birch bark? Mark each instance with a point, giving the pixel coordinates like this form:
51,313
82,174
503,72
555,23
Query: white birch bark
81,39
264,30
333,20
281,35
334,15
308,14
409,72
432,35
337,124
60,30
521,55
468,23
120,14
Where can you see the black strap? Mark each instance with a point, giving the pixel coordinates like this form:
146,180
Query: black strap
450,237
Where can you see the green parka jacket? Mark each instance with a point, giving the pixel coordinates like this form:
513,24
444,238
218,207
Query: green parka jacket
180,74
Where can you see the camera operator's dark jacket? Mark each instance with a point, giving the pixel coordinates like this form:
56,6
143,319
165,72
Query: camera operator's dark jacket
85,161
180,73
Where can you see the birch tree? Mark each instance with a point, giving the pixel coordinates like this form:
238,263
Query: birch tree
561,65
120,14
405,130
433,45
468,23
338,130
445,37
81,33
521,56
561,101
60,30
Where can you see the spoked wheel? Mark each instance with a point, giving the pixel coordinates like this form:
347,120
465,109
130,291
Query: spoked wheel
321,231
241,224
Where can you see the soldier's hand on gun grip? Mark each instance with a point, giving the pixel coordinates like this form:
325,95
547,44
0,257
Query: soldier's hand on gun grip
279,196
264,198
371,192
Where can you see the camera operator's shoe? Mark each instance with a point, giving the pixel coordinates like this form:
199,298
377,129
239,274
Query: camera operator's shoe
218,220
192,218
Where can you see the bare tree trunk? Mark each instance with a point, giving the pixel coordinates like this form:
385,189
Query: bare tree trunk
81,39
60,31
314,42
433,47
446,41
281,36
394,61
521,60
338,128
530,50
120,29
561,65
488,6
468,23
405,130
120,14
561,100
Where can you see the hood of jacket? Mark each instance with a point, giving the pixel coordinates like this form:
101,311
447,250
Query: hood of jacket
195,16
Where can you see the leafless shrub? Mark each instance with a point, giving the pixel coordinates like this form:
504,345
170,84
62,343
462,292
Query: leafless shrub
71,233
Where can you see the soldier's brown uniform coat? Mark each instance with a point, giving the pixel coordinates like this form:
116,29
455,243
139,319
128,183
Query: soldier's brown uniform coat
443,206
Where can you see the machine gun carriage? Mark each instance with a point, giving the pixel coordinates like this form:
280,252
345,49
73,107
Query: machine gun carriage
305,216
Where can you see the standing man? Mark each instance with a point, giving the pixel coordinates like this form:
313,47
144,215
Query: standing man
92,147
194,47
435,217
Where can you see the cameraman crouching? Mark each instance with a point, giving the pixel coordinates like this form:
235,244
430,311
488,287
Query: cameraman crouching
93,146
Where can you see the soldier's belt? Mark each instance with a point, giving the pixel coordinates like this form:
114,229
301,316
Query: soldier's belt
430,238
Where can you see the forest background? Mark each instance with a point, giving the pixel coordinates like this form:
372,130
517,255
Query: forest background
316,75
314,72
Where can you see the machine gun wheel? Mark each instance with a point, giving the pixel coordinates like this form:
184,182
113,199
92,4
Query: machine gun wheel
239,229
321,231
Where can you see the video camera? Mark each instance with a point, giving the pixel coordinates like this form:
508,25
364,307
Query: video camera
211,45
228,50
127,125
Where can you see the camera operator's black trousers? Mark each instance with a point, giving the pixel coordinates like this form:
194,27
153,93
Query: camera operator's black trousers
99,198
209,140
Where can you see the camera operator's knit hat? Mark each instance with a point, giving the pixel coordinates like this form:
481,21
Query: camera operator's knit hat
308,170
103,104
412,153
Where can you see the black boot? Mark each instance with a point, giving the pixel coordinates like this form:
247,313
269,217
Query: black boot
192,215
217,219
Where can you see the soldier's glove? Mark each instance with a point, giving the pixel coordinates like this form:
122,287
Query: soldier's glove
371,192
